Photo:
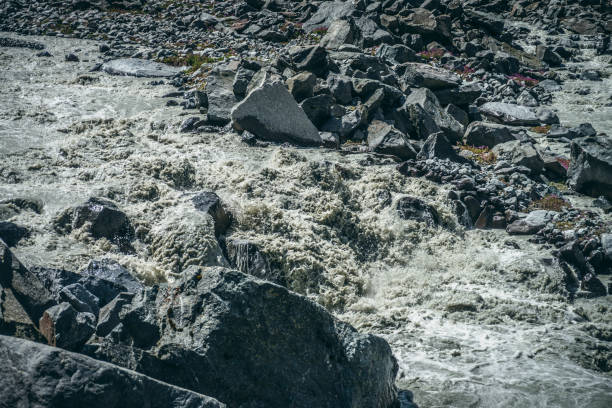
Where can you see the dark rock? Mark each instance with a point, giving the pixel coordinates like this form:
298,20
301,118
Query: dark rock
246,257
424,22
534,222
398,53
413,120
341,88
458,114
488,21
520,154
428,101
80,298
547,55
12,233
385,139
210,203
509,114
590,170
139,68
191,124
412,208
37,375
312,59
102,219
302,85
111,271
215,318
340,32
462,95
318,108
327,13
20,43
438,146
487,134
63,326
594,285
431,77
271,113
345,125
71,58
241,81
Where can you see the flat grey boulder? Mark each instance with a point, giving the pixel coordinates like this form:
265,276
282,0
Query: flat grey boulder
431,77
248,342
535,221
520,154
509,114
220,93
139,68
427,100
35,375
271,113
487,134
590,170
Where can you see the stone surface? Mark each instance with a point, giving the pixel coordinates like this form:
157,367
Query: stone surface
428,101
210,203
271,113
487,134
590,170
520,154
438,146
220,92
35,375
12,233
535,221
509,114
384,138
139,68
247,341
412,208
63,326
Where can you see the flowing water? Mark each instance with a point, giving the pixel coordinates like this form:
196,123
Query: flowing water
475,318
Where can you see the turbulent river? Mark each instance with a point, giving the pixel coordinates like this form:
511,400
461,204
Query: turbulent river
476,318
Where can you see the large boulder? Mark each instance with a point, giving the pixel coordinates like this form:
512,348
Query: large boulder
35,375
340,32
424,22
509,114
428,76
12,233
412,208
463,95
270,113
327,13
249,342
385,139
139,68
590,170
438,146
487,134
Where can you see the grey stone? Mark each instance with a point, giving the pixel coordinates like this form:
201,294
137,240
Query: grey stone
318,108
345,125
438,146
385,139
341,88
139,68
459,114
487,134
340,32
210,203
220,92
80,298
398,53
63,326
520,154
111,271
411,119
327,13
548,55
509,114
302,85
34,374
535,221
12,233
424,22
590,170
412,208
462,95
271,113
606,245
241,81
428,101
246,257
246,341
431,77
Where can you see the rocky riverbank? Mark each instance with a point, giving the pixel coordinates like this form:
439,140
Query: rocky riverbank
195,196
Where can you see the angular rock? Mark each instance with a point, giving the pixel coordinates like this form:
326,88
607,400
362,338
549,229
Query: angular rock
487,134
463,95
341,88
246,257
385,139
312,59
488,21
430,77
220,92
327,13
37,375
301,86
509,114
412,208
534,222
590,170
438,146
210,203
213,336
340,32
398,53
271,113
110,271
413,120
102,219
547,55
64,327
345,125
318,108
520,154
139,68
428,101
424,22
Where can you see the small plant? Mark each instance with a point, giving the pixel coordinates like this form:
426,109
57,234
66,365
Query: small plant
550,203
558,186
541,129
524,80
433,54
193,61
564,162
482,154
320,31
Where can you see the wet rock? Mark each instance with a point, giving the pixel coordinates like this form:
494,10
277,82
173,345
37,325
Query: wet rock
520,154
12,233
71,57
590,170
385,139
412,208
20,43
548,55
220,92
64,327
606,246
191,124
139,68
35,374
487,134
594,285
210,203
214,317
101,218
509,114
110,271
271,113
247,257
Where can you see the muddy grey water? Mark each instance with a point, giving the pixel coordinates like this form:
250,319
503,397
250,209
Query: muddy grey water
472,321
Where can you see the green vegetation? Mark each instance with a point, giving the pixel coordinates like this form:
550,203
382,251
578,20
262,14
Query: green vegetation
482,154
550,202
